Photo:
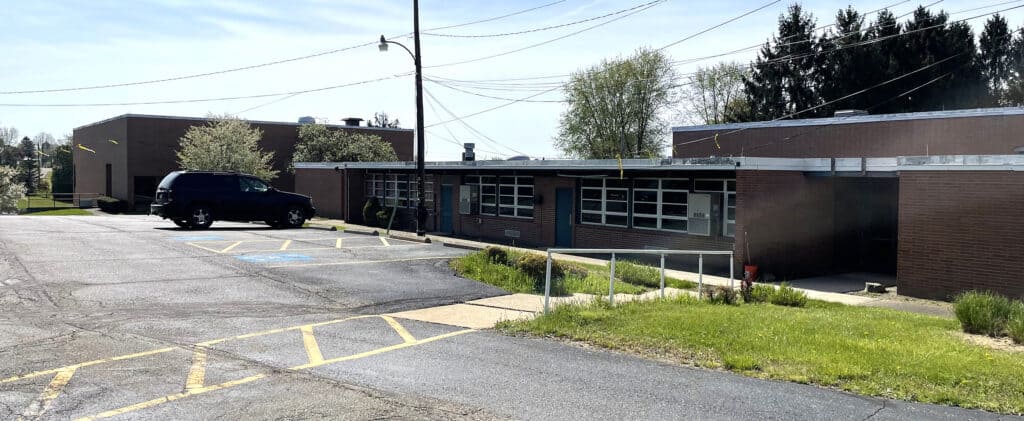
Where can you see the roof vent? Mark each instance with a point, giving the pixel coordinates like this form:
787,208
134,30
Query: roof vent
1019,150
468,154
352,121
307,120
519,158
850,113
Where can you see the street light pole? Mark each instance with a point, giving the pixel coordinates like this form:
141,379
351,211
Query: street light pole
421,172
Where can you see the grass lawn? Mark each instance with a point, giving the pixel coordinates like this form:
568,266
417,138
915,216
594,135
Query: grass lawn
39,202
865,350
59,212
587,279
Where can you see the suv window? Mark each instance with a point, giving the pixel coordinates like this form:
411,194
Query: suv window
252,185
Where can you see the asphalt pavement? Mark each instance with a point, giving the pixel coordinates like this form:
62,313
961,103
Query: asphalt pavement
128,317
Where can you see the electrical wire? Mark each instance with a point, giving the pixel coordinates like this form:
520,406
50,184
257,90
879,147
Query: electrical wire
185,101
529,31
711,28
487,110
490,96
642,8
259,65
467,126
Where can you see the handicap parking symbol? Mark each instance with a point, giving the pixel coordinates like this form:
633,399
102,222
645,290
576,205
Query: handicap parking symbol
274,258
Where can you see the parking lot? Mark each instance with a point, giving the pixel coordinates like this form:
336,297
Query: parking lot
128,317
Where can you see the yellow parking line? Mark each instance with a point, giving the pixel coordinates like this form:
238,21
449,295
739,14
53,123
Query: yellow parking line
231,247
384,241
285,245
279,330
86,364
362,262
337,244
197,373
203,247
174,397
312,348
42,403
225,385
406,336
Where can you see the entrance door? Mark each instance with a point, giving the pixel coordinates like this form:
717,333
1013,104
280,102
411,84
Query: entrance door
447,203
563,217
866,225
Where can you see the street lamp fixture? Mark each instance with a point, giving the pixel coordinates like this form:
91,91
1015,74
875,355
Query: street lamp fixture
421,207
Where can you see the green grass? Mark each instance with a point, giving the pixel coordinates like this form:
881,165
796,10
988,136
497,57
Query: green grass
59,212
40,202
865,350
478,267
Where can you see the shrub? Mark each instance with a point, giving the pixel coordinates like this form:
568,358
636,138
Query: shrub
1015,325
637,274
111,205
384,218
572,269
983,312
536,266
758,293
496,255
786,295
370,210
721,295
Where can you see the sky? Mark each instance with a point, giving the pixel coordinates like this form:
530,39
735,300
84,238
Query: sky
73,44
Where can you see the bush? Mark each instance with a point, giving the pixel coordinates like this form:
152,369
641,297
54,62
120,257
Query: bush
384,218
111,205
536,266
758,293
1015,326
637,274
721,295
496,255
370,210
983,312
786,295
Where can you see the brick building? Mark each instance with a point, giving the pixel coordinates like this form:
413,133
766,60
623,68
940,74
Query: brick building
134,152
822,196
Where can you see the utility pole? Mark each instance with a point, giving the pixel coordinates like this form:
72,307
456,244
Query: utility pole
421,172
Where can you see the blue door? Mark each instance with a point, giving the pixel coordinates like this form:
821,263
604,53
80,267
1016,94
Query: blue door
447,203
563,217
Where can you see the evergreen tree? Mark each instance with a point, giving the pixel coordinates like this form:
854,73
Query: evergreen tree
843,66
28,168
995,45
782,77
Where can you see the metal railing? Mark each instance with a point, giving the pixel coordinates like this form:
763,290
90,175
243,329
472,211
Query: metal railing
611,279
60,200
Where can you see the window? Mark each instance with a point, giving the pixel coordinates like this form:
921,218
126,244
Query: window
728,189
252,185
398,190
660,204
375,186
505,196
414,190
604,202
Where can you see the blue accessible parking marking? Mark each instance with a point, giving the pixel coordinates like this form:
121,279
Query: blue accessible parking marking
199,238
274,258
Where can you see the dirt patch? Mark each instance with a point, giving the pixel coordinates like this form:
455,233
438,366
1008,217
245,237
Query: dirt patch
1001,344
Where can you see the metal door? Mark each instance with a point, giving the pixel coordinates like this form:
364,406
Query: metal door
447,204
563,217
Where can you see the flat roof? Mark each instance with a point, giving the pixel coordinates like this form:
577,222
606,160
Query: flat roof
857,119
278,123
901,163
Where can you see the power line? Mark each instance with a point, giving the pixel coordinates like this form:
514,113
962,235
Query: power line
487,110
259,65
541,29
184,101
636,10
711,28
492,97
467,126
275,101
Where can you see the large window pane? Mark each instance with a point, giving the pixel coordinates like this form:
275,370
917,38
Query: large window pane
673,197
708,185
616,195
646,184
592,205
673,210
592,194
673,224
591,218
640,222
675,184
619,220
615,207
646,208
645,196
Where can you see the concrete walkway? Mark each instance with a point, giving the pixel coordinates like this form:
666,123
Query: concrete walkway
487,312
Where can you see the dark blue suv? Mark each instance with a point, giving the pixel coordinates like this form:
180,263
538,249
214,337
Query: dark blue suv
194,199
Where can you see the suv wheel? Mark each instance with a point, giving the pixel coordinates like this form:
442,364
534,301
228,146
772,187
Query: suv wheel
200,217
294,217
181,223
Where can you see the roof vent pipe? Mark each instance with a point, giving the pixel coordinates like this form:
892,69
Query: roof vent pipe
468,154
352,121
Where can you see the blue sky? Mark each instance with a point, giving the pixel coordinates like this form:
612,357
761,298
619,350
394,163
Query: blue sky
59,44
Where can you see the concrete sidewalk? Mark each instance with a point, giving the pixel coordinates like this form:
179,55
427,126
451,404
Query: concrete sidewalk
486,312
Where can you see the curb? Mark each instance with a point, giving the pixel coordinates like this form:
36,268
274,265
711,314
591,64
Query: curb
321,227
361,232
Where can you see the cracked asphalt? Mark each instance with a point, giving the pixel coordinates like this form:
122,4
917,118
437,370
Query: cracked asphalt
127,317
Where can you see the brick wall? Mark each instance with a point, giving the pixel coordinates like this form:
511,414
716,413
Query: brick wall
787,219
959,231
325,186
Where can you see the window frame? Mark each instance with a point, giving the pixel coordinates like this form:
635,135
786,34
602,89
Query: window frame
493,183
726,193
603,212
659,203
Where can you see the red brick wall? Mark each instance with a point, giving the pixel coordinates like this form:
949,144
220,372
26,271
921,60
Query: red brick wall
325,186
943,136
787,219
959,231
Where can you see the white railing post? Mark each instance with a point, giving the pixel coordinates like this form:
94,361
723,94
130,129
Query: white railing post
662,275
700,276
611,283
732,282
547,284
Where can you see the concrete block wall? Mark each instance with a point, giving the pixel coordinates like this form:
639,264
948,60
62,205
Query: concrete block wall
960,231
